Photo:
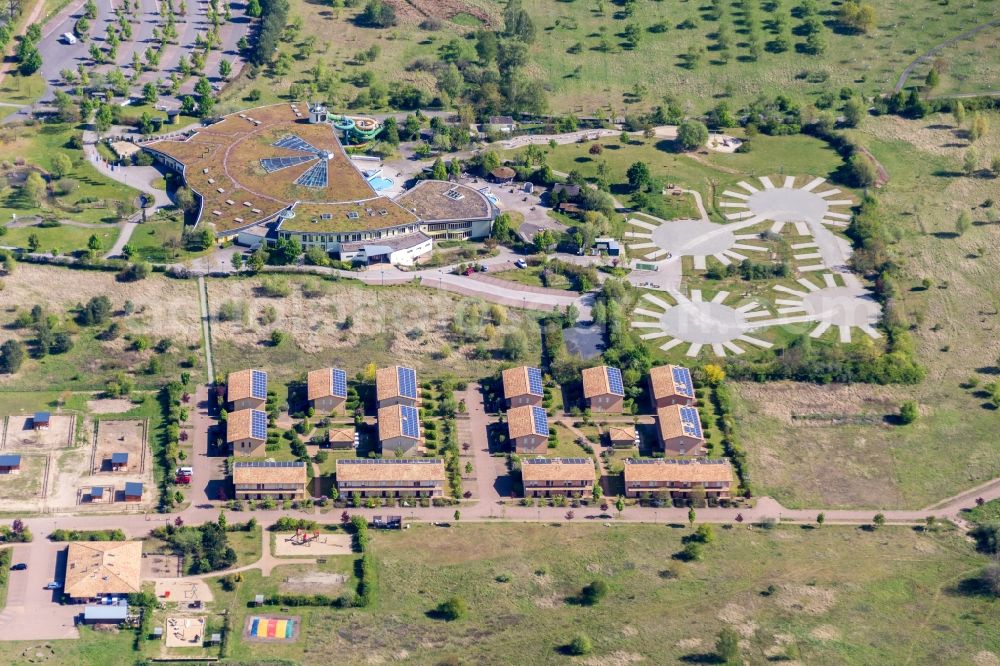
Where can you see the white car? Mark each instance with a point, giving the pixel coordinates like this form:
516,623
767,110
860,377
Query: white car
69,38
521,263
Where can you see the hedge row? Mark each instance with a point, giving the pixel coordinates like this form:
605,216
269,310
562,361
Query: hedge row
723,401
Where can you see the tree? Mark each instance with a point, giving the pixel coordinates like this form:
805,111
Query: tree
33,242
878,520
854,111
253,8
29,59
691,516
34,189
580,646
970,162
963,223
11,356
638,175
377,14
104,118
959,113
592,593
932,79
620,504
517,22
820,518
714,374
692,134
458,515
727,645
978,127
453,609
237,261
515,345
908,412
439,171
61,165
225,68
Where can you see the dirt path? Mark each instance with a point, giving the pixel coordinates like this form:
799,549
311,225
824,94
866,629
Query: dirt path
36,11
924,56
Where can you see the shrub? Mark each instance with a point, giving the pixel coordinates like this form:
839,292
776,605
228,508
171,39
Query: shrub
452,609
594,592
580,645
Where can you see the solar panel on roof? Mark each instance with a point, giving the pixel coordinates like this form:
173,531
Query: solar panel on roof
682,382
294,142
534,381
407,382
690,423
541,420
615,381
315,177
338,380
270,463
258,384
410,421
390,461
258,424
272,164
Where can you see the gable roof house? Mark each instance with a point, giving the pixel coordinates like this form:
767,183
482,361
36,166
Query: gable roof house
603,389
270,479
246,432
97,569
247,389
373,477
399,430
326,389
671,385
678,428
528,429
548,477
523,386
622,436
679,478
396,385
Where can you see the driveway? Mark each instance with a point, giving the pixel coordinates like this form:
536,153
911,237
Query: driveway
492,479
32,612
208,463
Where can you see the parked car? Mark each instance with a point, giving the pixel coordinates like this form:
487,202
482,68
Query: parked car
54,585
521,263
484,268
20,566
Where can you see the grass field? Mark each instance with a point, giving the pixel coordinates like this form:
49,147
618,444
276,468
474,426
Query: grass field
811,445
586,65
790,592
822,610
92,201
707,173
387,325
163,308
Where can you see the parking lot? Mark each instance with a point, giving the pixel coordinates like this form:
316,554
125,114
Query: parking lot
32,612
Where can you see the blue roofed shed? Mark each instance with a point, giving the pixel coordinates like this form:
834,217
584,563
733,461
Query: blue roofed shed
40,421
10,462
133,491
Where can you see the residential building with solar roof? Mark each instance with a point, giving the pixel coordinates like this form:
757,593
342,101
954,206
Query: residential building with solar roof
326,389
246,432
246,389
678,429
603,390
391,477
278,480
279,171
671,385
550,477
396,385
678,479
399,431
522,386
528,429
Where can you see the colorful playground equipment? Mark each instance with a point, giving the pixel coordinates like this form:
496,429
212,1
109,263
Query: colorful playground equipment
302,537
271,628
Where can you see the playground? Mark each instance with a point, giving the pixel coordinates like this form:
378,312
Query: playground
311,543
271,628
185,631
182,590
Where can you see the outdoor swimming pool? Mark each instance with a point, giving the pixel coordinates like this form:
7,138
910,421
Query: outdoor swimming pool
379,183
